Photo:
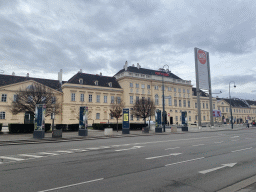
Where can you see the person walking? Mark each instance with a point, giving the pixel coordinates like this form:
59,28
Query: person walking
247,125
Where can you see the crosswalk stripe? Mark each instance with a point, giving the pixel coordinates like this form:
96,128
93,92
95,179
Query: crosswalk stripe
11,158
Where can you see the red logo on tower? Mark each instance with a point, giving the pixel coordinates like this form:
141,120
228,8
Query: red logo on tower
201,55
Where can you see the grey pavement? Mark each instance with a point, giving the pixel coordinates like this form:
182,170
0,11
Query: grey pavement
8,138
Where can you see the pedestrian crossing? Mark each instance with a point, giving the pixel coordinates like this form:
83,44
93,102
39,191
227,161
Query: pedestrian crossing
38,155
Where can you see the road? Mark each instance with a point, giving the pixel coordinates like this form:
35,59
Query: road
207,161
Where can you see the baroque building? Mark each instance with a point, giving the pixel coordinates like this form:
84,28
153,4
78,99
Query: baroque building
129,84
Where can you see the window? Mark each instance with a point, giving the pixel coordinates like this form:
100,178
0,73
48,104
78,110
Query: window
203,105
184,103
131,118
170,101
222,109
137,99
184,91
2,115
73,96
137,85
179,103
176,118
204,118
118,100
169,89
96,83
110,84
131,99
90,98
81,81
4,97
175,102
206,105
156,87
53,100
226,109
97,115
143,86
213,106
174,89
179,90
188,91
189,118
188,103
195,105
98,98
112,99
14,98
82,97
156,99
105,98
131,84
148,86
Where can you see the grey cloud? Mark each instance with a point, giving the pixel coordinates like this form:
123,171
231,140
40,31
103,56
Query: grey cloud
238,79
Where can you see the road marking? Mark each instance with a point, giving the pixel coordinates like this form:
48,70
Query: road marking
64,151
174,154
234,137
71,185
11,158
241,149
198,145
27,155
105,147
185,161
93,148
80,150
219,142
173,148
134,147
235,140
47,153
216,168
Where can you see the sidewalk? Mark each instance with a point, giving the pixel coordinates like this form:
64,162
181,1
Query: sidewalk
11,139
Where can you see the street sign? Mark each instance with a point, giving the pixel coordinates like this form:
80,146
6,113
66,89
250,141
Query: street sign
126,122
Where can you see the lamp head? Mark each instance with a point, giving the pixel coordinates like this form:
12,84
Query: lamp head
235,86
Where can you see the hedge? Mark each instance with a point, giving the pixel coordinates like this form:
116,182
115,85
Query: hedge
66,127
1,125
25,128
133,126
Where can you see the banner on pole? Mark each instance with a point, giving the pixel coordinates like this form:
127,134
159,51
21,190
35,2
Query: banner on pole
202,66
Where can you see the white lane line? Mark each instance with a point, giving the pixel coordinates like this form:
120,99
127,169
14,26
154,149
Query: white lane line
241,150
234,137
80,150
92,148
219,142
11,158
198,145
134,147
173,154
27,155
185,161
235,140
105,147
71,185
173,148
47,153
64,151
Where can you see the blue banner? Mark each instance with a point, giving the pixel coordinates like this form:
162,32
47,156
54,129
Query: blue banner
126,124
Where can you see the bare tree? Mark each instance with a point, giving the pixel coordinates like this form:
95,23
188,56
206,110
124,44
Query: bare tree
143,109
116,110
27,99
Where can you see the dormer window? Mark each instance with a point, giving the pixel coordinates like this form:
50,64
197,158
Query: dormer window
81,81
110,84
96,82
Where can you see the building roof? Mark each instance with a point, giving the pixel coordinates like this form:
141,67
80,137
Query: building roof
251,102
89,79
12,79
148,72
203,94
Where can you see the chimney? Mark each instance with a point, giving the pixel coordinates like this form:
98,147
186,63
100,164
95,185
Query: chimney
13,74
60,76
125,65
138,65
80,71
100,74
27,74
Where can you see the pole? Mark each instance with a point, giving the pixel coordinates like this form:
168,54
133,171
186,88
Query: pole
197,91
210,90
230,104
163,103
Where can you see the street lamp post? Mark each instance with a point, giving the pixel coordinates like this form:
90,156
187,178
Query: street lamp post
163,98
230,103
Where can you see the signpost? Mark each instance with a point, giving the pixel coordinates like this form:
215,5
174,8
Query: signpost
126,123
203,80
158,121
83,117
39,124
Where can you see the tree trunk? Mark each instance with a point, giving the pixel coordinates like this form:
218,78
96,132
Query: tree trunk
116,124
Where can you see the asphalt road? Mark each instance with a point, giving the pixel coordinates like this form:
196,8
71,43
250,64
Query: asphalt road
208,161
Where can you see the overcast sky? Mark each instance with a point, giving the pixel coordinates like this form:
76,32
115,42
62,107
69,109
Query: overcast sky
42,37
